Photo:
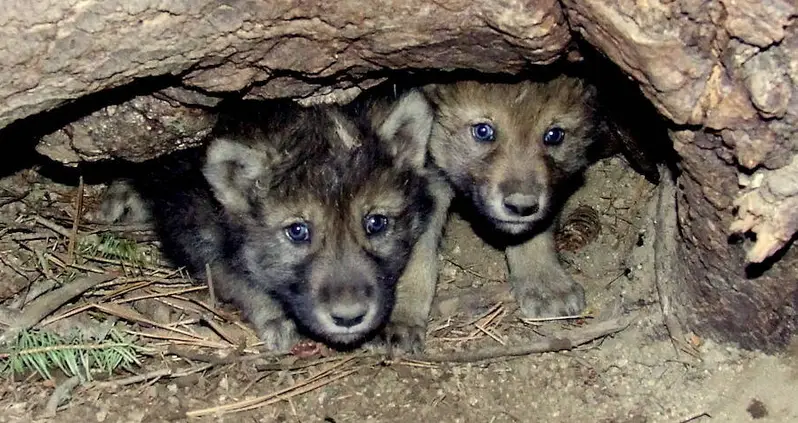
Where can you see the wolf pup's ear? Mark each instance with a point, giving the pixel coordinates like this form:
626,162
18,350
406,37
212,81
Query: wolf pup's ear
407,128
432,92
233,169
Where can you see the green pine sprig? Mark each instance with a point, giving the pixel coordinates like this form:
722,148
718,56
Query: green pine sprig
110,246
75,355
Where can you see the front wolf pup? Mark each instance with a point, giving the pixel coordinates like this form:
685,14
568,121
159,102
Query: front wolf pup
300,213
512,149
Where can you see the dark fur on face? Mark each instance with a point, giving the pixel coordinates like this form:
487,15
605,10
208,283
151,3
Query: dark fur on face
304,205
516,175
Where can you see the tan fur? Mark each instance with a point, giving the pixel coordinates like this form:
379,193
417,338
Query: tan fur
517,166
406,330
415,291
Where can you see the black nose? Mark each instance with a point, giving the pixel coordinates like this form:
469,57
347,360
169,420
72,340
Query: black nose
521,204
348,321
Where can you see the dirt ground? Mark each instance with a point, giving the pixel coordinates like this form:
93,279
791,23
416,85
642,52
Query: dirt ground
634,376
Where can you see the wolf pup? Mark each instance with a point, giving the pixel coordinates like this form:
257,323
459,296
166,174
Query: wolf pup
406,331
512,149
303,216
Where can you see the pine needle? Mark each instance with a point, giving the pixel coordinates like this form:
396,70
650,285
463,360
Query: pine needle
110,246
75,355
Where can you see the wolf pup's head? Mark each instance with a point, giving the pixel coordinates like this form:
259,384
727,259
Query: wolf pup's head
326,215
509,146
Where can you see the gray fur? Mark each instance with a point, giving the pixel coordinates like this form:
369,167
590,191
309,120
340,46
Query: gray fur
270,165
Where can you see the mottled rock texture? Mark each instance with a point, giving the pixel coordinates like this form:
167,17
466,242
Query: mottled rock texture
723,72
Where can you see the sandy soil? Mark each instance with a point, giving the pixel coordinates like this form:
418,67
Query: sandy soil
635,376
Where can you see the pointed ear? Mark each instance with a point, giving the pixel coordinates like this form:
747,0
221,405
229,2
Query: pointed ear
432,92
233,169
407,128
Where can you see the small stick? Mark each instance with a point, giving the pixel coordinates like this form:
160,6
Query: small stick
16,268
626,272
194,341
50,302
14,197
73,235
492,310
208,319
159,294
55,260
64,260
30,237
216,312
71,312
566,341
86,268
151,375
471,272
122,263
52,226
131,315
412,363
234,358
61,393
48,273
696,417
299,390
322,378
212,294
126,288
555,318
490,333
139,227
483,323
123,280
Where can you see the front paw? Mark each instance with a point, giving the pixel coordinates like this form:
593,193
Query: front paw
399,338
278,335
549,298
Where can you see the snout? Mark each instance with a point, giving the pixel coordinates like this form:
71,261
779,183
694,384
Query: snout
347,309
348,315
515,206
520,204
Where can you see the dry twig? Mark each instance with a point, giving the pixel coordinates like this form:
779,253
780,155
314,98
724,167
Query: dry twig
48,303
564,340
697,417
152,375
49,224
533,320
324,377
73,234
60,394
471,271
211,292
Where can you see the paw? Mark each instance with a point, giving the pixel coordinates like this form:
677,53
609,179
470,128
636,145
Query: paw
537,298
278,335
400,339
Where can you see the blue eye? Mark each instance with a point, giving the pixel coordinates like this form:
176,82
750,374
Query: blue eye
554,136
483,132
375,223
298,232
